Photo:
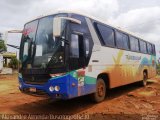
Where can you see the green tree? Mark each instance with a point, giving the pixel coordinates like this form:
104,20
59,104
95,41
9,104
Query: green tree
13,63
2,46
158,68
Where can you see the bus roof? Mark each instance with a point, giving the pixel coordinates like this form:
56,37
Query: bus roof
91,17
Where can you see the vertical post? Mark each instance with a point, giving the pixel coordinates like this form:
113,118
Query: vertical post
6,37
5,61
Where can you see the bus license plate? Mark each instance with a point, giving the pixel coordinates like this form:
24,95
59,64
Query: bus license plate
32,89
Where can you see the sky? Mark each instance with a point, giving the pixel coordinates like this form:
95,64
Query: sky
141,17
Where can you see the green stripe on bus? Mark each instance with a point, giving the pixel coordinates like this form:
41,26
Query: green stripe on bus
90,80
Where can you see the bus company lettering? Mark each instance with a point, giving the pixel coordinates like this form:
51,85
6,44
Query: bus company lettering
131,57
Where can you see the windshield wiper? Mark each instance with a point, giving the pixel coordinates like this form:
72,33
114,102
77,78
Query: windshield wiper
53,56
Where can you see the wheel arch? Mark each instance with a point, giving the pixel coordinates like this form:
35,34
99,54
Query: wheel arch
105,77
145,71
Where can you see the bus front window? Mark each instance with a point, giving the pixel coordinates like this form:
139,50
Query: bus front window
47,46
25,52
44,50
29,33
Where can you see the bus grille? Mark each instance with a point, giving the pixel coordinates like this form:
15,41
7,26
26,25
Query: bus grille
36,79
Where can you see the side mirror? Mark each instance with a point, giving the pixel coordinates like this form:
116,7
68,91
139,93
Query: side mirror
57,24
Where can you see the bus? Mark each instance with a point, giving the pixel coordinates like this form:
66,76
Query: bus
67,54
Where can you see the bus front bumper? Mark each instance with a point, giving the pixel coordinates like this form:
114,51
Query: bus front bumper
56,88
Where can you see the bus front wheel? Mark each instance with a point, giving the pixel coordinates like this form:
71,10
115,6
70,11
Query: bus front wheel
100,93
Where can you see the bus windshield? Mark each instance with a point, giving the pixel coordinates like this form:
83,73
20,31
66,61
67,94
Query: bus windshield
39,48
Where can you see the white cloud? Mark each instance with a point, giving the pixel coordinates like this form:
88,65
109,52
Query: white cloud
99,8
27,11
142,18
16,14
145,22
142,21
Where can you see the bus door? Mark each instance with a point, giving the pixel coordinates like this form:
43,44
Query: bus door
77,62
77,57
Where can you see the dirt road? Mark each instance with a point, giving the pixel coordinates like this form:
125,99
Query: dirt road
127,102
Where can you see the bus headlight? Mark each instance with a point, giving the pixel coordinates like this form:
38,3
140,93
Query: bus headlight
57,88
20,75
51,88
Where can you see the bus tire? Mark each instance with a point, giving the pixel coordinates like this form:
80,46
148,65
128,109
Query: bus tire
144,81
100,93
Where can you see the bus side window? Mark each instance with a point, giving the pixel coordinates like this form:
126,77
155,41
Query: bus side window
153,50
106,35
122,40
74,46
77,52
149,48
77,46
81,46
143,46
134,44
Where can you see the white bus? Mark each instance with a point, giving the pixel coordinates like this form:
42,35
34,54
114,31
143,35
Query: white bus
66,55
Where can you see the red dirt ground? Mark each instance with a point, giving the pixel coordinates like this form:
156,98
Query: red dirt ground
131,102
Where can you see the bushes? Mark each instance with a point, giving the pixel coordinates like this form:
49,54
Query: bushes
13,63
158,68
2,46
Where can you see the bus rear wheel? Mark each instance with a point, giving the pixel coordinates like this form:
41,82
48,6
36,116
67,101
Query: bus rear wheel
100,93
145,77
